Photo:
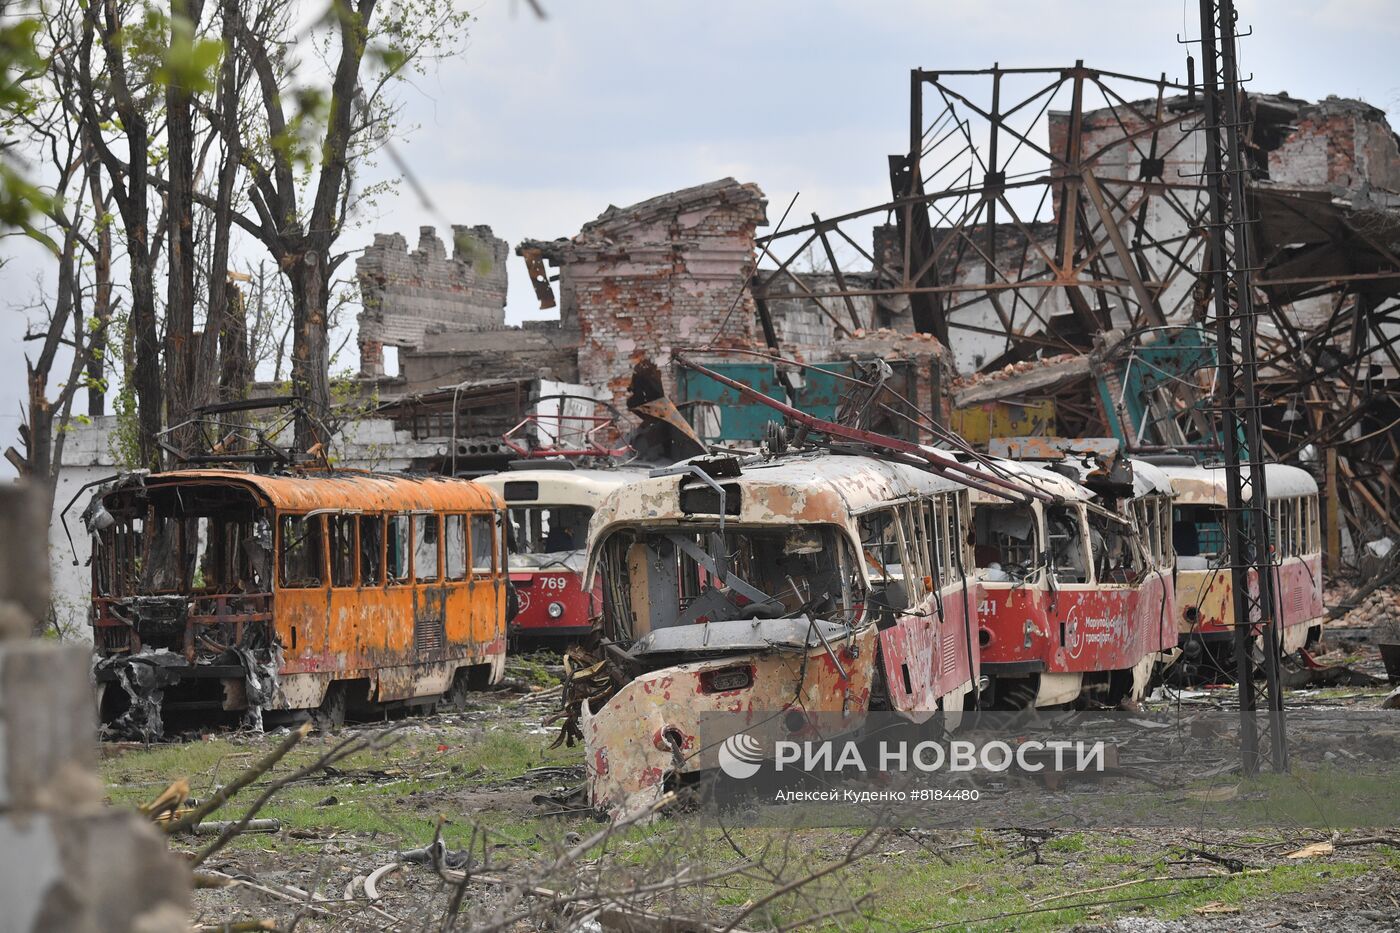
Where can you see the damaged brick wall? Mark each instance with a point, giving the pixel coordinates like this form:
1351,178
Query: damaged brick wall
802,325
642,280
1337,142
408,296
540,349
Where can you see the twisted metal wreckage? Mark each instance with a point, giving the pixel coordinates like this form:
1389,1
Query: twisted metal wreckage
1053,228
833,573
1111,244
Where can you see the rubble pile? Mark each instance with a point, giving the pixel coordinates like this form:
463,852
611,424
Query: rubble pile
1379,612
1010,370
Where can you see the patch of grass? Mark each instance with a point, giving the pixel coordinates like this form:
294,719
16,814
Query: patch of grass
1074,842
439,773
533,669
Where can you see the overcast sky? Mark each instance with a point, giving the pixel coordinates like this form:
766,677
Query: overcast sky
539,126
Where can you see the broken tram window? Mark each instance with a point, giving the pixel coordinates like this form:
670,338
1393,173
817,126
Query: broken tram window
301,551
1006,543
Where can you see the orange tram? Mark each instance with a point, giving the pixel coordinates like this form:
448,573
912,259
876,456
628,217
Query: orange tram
330,591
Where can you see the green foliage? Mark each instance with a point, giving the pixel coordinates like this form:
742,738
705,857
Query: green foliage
471,249
124,442
190,62
168,51
20,199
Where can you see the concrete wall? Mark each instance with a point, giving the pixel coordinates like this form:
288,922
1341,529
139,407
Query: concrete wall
410,296
802,325
544,349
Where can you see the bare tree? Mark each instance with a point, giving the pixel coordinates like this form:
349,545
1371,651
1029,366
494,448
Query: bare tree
101,27
325,131
74,211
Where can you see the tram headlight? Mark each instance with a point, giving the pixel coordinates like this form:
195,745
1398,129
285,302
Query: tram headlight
556,610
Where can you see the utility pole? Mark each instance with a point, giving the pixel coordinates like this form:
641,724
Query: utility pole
1246,525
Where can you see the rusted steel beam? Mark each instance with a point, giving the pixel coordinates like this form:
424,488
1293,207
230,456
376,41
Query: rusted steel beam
1146,300
836,271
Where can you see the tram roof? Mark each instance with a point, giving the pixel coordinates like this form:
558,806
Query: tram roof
347,490
1032,474
803,487
586,487
1205,485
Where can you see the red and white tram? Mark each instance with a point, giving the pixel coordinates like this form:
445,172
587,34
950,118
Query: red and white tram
548,507
1075,596
1205,606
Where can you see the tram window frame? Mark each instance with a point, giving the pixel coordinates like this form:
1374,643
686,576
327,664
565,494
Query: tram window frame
503,542
474,521
1164,517
460,570
1054,566
935,510
427,525
880,548
960,533
916,541
371,557
993,528
1283,538
342,558
399,546
315,526
1314,526
1125,566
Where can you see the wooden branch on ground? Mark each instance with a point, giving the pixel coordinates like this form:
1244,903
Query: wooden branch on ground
345,749
197,815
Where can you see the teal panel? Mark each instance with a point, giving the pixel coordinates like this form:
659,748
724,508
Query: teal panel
740,420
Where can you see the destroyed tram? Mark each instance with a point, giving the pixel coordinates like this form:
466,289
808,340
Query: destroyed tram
321,590
797,585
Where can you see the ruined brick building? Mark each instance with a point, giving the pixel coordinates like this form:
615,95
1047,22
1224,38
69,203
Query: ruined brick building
633,286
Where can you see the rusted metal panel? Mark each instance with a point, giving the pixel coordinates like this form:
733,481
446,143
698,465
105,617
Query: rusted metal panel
539,278
929,654
1081,629
739,420
1206,606
649,731
979,424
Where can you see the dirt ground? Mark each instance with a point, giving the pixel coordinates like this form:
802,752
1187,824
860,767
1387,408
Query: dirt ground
487,782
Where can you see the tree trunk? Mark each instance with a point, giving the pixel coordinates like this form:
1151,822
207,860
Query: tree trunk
210,382
310,345
180,345
101,303
235,368
144,373
145,366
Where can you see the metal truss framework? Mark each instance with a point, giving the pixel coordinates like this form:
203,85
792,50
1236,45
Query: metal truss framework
1040,208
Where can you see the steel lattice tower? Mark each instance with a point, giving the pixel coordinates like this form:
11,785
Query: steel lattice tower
1246,519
